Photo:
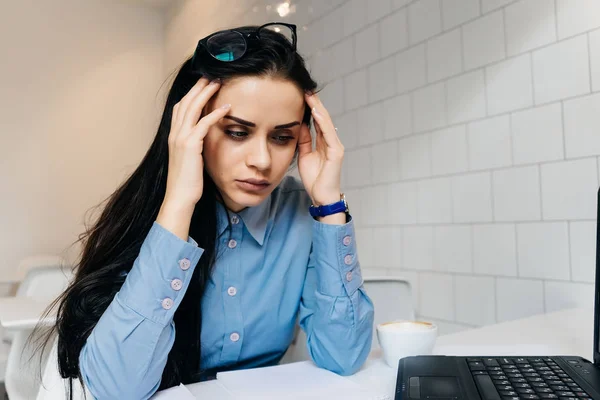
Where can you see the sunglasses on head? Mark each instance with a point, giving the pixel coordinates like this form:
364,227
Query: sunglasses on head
231,45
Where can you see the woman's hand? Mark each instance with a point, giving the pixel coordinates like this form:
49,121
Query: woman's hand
185,179
320,168
186,141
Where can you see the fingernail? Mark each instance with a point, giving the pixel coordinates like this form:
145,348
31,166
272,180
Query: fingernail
215,81
225,106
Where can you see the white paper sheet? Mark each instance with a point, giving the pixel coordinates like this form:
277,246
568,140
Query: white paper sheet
295,381
174,393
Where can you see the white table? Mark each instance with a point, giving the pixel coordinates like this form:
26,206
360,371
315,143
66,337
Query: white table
24,312
568,332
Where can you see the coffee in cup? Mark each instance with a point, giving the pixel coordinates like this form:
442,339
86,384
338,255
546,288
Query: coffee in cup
399,339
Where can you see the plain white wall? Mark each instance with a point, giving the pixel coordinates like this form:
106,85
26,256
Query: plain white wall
78,108
472,138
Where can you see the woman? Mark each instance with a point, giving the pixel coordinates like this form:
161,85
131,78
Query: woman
204,258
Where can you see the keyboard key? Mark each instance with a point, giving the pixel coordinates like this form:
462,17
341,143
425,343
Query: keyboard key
523,391
505,361
518,380
504,387
486,387
544,390
490,362
539,384
560,388
548,396
521,361
479,372
565,394
581,393
529,396
508,393
521,385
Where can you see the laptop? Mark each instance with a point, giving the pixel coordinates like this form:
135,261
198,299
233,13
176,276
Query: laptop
505,378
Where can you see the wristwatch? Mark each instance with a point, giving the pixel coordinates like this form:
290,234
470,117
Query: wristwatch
329,209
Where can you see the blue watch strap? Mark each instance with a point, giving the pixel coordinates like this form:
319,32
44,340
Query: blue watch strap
329,209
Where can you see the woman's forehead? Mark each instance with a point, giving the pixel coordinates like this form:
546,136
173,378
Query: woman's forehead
262,99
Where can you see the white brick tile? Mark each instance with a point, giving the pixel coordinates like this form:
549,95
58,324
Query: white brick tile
489,143
475,300
412,277
517,194
437,296
569,189
347,125
452,249
374,205
358,166
429,107
415,156
354,199
342,58
445,327
417,248
370,124
424,20
472,197
577,16
387,241
396,4
582,126
365,43
332,97
386,166
333,27
449,150
535,126
321,66
529,24
393,33
354,16
518,298
561,70
566,295
494,250
489,5
378,9
364,246
595,59
509,85
355,89
583,250
381,79
444,56
309,40
404,197
466,97
457,12
410,69
483,40
397,117
543,250
434,201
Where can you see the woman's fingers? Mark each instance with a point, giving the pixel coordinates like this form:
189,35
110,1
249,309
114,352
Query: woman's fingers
201,129
196,105
180,108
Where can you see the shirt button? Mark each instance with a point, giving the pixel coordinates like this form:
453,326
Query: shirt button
349,276
348,259
184,264
234,337
232,243
232,291
176,284
347,240
167,303
235,219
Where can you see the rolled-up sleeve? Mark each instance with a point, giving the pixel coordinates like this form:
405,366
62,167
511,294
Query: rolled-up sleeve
126,352
335,312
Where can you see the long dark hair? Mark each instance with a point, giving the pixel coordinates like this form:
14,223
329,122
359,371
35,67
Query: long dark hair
113,242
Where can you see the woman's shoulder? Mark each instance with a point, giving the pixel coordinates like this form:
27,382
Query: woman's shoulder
291,194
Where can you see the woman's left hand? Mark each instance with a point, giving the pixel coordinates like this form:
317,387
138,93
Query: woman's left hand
320,168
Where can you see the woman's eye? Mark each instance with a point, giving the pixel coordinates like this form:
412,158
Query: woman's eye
236,134
283,139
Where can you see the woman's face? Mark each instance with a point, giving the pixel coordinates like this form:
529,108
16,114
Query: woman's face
248,152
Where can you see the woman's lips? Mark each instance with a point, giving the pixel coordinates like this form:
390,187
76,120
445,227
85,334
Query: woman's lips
252,187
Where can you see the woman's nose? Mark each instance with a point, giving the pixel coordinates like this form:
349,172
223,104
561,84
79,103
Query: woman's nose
259,156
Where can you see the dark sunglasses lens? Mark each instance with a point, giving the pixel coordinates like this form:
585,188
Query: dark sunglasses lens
283,30
226,46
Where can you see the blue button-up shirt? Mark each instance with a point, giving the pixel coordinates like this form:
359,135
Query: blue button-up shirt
277,265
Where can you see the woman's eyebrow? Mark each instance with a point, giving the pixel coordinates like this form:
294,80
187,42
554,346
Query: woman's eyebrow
253,125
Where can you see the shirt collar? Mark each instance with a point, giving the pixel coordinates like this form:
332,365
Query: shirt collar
255,218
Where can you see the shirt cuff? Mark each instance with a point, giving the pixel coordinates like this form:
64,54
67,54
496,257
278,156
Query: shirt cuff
335,259
160,275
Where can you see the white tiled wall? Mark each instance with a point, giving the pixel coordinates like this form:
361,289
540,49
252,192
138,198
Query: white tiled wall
472,135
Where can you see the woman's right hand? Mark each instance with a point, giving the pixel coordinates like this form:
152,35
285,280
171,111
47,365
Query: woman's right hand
186,166
186,141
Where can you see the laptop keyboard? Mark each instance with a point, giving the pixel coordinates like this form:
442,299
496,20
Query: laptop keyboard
523,378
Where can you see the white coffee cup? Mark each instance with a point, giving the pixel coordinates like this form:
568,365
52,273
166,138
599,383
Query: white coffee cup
400,339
